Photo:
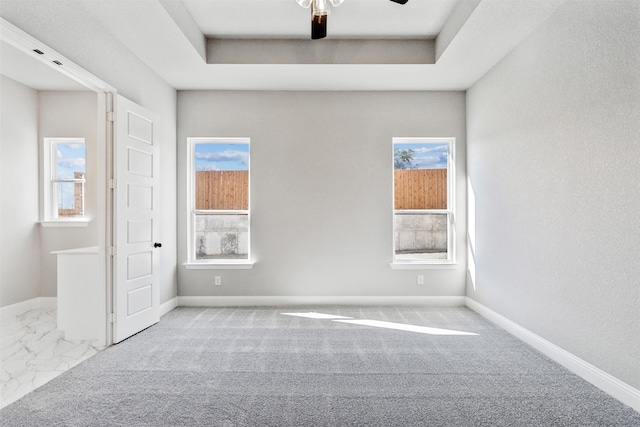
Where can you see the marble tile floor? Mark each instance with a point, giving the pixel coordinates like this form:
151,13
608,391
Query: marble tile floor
34,352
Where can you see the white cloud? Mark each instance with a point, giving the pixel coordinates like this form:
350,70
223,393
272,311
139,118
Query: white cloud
224,156
71,163
207,167
430,162
434,149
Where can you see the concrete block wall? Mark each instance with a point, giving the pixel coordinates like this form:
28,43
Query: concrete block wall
420,233
222,235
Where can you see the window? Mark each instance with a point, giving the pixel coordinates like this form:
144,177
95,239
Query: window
219,201
423,215
64,179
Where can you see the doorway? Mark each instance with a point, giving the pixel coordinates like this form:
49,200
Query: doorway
99,228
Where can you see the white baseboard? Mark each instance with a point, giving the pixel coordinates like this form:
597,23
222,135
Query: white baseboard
48,302
8,313
609,384
167,306
228,301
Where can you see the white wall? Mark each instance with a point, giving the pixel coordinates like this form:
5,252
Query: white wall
553,157
86,42
19,231
321,189
69,115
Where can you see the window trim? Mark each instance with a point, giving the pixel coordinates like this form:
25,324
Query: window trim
450,211
48,215
192,263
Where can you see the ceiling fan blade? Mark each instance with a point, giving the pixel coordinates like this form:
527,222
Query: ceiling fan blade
400,1
318,27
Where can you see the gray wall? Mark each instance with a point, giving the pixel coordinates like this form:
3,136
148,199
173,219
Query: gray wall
87,43
553,157
28,116
19,230
321,189
72,115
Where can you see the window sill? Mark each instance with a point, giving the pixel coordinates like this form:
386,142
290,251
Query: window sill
65,223
219,265
422,265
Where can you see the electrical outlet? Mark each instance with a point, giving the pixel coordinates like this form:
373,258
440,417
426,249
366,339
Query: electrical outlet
217,281
420,280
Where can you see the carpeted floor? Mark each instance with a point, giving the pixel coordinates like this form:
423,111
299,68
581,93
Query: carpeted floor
258,367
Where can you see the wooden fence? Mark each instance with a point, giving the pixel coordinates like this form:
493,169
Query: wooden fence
414,189
222,190
420,188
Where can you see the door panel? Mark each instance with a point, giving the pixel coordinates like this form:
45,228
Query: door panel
139,197
139,300
136,220
139,265
140,163
140,128
140,230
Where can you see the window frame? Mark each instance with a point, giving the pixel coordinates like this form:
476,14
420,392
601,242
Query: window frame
192,262
450,211
49,210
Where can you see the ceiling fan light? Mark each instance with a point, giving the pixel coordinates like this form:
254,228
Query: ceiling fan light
304,3
336,3
320,8
318,27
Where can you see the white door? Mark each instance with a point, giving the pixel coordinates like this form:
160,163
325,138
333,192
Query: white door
137,245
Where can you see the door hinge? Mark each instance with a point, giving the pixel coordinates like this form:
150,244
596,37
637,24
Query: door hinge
111,116
112,318
112,183
112,250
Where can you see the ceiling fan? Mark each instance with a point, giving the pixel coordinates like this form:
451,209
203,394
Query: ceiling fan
319,11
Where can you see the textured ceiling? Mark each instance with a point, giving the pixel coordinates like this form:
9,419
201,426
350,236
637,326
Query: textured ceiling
286,19
23,68
170,37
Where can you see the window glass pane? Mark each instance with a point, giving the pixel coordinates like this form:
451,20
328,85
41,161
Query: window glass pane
420,175
69,198
221,176
421,236
70,161
222,236
422,215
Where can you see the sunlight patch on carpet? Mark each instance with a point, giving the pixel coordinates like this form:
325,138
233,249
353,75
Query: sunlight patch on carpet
312,315
379,324
405,327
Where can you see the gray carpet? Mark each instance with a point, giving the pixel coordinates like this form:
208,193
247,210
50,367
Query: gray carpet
257,367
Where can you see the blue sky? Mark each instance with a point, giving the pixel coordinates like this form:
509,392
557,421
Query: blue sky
70,158
426,155
222,157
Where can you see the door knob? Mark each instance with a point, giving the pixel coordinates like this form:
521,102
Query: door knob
157,245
